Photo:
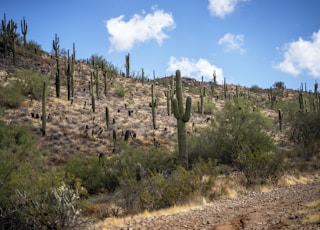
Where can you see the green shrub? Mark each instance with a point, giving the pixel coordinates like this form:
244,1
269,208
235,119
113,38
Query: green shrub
238,131
29,83
120,91
10,96
305,131
260,167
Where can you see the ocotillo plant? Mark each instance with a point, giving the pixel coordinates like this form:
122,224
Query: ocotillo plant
153,105
24,31
55,46
202,95
182,117
44,114
5,36
127,65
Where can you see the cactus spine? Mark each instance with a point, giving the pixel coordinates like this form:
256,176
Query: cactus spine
55,45
127,65
24,31
182,117
44,114
153,105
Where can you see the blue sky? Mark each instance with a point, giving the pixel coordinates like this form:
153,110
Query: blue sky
248,42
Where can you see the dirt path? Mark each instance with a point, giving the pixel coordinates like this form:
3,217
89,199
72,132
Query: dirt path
281,208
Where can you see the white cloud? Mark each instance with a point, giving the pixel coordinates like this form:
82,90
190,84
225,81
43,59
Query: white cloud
302,55
233,43
220,8
195,69
124,35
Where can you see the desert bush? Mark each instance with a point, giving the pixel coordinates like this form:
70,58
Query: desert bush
29,83
260,167
23,84
159,190
30,192
237,132
10,97
305,131
93,176
120,91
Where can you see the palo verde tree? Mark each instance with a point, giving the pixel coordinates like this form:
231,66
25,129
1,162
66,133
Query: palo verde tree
182,115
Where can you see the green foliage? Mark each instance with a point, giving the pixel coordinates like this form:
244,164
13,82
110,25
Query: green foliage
260,167
32,196
305,130
33,45
23,84
93,177
237,131
10,97
120,91
29,83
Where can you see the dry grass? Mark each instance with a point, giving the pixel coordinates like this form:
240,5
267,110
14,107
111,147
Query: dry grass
311,212
289,180
120,222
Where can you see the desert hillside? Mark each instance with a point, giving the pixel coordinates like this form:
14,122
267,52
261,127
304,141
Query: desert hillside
106,129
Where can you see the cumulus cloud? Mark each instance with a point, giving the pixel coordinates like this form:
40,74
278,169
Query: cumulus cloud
124,35
302,55
233,43
220,8
195,68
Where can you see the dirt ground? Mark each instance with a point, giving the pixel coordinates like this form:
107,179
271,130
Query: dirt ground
289,207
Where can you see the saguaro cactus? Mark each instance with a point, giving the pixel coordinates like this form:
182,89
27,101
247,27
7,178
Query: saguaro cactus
5,36
127,65
182,117
44,114
153,105
24,31
202,95
280,119
55,45
11,30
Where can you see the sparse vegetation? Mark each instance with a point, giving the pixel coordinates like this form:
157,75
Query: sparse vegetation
46,180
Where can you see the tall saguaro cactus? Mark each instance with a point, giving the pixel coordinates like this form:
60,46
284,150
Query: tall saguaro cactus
11,30
55,46
127,65
182,115
44,114
202,95
153,105
5,36
24,31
